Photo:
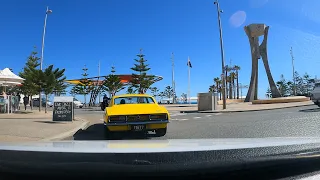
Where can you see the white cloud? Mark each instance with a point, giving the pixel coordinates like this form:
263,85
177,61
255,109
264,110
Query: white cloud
238,18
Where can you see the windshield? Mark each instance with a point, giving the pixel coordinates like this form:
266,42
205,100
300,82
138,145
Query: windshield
188,69
133,100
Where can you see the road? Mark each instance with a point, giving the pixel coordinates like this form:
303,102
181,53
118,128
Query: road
289,122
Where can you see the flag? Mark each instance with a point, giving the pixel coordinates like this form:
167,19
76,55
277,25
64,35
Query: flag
189,63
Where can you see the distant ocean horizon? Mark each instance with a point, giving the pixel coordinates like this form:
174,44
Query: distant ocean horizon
187,103
183,103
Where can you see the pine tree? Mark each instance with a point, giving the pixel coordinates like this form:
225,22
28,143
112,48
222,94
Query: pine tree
140,79
154,91
60,86
28,87
168,92
84,87
113,83
282,86
268,93
73,91
49,84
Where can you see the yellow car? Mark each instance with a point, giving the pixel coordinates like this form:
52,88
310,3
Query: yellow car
135,112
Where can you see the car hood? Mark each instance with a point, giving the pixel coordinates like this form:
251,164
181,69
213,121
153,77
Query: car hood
127,109
147,146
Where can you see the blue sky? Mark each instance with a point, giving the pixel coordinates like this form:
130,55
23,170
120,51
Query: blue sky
112,31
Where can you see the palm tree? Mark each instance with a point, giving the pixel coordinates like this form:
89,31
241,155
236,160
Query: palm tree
232,90
218,82
130,90
228,92
112,83
212,89
228,69
237,68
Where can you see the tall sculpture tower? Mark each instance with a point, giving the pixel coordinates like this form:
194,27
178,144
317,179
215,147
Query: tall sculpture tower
254,31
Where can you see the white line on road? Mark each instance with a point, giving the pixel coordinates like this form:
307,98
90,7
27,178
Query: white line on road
208,115
197,117
182,119
175,119
178,114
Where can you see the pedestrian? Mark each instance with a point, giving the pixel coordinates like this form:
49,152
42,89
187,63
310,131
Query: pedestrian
19,99
106,100
25,102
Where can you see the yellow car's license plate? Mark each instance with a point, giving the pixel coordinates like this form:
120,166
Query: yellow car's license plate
138,127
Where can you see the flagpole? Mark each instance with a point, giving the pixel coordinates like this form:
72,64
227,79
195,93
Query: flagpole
173,83
189,81
99,79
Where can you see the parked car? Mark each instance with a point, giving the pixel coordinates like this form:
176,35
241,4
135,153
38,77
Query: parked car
135,112
36,102
49,104
315,94
77,103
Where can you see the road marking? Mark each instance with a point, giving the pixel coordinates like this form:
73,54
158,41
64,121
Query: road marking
208,115
196,117
175,119
218,113
177,114
182,119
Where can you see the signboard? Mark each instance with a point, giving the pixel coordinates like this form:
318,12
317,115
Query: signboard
63,109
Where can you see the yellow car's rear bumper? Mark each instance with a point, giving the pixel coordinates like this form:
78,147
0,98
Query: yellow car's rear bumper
150,125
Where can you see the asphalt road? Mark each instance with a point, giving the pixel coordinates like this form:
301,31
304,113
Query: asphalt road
289,122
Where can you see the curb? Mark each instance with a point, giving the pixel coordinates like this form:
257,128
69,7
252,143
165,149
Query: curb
63,135
195,111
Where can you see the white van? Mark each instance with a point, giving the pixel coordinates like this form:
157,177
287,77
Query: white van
77,103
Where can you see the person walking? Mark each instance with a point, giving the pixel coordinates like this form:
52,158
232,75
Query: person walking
25,102
105,102
19,99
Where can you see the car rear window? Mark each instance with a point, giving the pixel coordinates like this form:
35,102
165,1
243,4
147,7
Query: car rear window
133,100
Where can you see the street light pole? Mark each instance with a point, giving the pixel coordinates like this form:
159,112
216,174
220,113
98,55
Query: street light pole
98,81
293,76
222,56
42,48
43,35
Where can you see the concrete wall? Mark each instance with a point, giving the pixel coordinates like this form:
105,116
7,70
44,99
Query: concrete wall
282,100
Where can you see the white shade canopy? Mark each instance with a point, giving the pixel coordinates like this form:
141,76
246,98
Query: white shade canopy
9,83
6,76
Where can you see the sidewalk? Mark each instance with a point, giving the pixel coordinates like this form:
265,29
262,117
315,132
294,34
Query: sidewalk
239,107
35,126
